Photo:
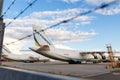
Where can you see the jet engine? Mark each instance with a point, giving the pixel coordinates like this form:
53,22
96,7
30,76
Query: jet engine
97,56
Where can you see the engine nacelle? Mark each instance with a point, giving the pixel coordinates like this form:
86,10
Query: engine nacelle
87,56
105,56
97,56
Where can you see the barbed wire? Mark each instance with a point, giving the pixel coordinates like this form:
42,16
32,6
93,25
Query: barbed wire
67,20
8,8
81,14
30,4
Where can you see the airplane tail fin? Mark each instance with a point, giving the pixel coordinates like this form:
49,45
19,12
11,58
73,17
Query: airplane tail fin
40,39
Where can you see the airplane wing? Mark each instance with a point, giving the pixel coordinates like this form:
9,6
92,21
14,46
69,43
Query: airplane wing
41,48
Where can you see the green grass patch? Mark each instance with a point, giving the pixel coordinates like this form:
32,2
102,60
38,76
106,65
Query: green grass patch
117,71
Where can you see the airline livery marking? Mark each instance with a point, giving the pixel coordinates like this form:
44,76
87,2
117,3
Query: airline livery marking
42,37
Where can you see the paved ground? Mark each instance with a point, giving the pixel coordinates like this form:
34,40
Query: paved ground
93,71
107,76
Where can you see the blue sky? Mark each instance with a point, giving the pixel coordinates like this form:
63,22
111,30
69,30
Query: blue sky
89,32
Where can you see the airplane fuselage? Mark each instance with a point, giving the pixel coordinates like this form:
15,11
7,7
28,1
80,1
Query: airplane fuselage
71,56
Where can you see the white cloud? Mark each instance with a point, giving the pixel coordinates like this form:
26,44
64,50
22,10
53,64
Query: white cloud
86,22
67,36
96,2
23,26
111,11
85,18
13,34
55,14
117,50
71,1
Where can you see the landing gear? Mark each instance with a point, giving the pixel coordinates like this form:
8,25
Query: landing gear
94,62
74,62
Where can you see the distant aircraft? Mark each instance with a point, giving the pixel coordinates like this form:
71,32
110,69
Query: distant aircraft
20,57
46,48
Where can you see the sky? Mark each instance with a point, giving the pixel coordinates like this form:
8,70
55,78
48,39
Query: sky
85,33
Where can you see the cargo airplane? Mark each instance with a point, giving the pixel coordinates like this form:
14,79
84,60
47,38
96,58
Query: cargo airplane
25,57
46,48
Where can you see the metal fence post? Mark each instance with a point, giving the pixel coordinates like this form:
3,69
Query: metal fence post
2,27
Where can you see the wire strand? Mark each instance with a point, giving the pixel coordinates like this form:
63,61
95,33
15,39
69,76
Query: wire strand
8,8
30,4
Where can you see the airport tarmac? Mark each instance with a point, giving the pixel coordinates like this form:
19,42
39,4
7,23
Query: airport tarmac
63,68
